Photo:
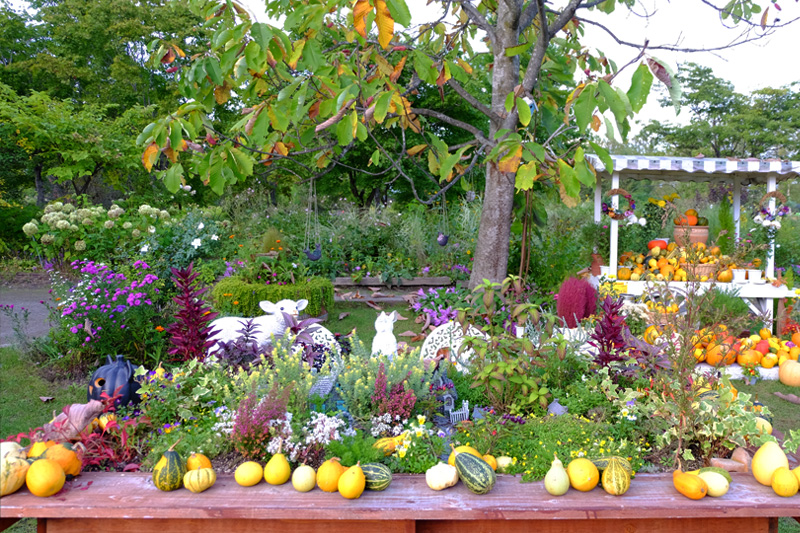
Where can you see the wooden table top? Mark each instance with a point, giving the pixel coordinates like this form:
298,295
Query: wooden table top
133,495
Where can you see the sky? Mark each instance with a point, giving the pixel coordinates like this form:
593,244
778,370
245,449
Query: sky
770,62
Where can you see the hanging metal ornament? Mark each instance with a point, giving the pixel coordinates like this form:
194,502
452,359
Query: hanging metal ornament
312,225
443,233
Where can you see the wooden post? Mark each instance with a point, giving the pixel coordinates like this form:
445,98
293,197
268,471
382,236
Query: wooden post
772,186
612,260
737,204
598,200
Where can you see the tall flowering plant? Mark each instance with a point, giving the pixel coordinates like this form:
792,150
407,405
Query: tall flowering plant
439,304
109,312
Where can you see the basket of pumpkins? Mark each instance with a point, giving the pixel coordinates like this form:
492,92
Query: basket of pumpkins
690,228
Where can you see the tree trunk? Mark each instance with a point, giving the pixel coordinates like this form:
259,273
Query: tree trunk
491,252
40,192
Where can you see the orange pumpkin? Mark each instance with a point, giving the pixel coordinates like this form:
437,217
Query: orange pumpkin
657,242
624,274
789,373
721,354
66,457
749,357
796,338
726,276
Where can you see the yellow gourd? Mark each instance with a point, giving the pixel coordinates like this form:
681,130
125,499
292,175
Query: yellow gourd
693,487
13,468
328,475
583,474
199,479
462,449
766,461
45,477
784,482
277,471
248,474
304,478
352,483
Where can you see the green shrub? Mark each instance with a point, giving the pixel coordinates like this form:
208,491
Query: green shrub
234,296
12,218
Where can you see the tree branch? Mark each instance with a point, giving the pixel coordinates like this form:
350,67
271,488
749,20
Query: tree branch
453,122
474,102
480,20
565,16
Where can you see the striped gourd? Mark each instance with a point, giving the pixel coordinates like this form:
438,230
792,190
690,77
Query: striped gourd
602,463
476,473
199,479
387,444
378,476
616,479
169,470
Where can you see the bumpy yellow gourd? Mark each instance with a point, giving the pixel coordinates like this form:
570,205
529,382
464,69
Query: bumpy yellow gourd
199,479
13,468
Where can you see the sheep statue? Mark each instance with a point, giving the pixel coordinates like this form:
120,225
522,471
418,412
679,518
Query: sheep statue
271,323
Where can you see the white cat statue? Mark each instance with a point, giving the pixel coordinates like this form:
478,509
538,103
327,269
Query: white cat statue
384,342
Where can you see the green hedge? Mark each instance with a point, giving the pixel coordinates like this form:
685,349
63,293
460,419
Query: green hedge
318,292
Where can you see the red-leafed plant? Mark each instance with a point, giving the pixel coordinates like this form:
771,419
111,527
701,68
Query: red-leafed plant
577,300
608,336
191,331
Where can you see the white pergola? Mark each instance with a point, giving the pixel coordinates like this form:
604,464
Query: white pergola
737,172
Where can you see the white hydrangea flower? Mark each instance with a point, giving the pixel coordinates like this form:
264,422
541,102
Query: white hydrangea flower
201,226
215,237
108,224
136,233
144,249
80,245
127,225
197,243
643,222
62,224
30,229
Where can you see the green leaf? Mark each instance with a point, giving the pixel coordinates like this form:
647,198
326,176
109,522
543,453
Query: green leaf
423,65
213,70
375,158
145,135
278,119
604,156
399,12
537,149
524,112
260,127
584,107
287,91
613,100
449,162
569,179
312,55
525,176
512,51
175,136
582,171
261,34
243,162
382,106
641,82
509,104
344,132
172,178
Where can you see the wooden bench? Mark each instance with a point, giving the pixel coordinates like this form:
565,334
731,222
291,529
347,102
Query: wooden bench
129,503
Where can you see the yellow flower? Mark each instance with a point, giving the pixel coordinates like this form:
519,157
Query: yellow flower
662,203
420,419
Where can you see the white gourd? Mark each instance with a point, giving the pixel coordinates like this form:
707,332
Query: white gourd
441,476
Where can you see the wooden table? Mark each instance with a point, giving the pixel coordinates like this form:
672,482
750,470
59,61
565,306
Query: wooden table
129,503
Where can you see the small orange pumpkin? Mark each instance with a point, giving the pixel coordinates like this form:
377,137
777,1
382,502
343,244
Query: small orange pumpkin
749,357
66,457
196,461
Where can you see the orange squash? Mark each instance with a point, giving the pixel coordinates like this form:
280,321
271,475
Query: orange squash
796,338
196,461
691,486
721,354
749,357
726,276
789,373
657,242
65,456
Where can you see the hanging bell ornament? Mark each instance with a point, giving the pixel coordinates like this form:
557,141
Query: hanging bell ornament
442,239
315,255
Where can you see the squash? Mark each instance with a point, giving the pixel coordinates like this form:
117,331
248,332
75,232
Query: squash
616,479
378,476
556,481
476,473
169,470
65,455
602,463
451,460
328,475
277,470
491,460
10,446
196,461
766,461
657,243
199,479
583,475
248,474
45,477
693,487
624,273
784,482
789,373
441,476
749,357
387,444
13,468
352,483
38,448
304,478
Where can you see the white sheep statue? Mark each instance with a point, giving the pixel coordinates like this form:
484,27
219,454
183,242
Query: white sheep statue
385,342
271,323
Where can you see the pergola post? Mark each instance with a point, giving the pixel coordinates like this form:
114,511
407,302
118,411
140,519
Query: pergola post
737,204
598,199
772,186
612,261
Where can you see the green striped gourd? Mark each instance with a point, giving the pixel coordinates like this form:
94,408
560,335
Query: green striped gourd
169,470
616,479
602,463
199,479
378,476
477,474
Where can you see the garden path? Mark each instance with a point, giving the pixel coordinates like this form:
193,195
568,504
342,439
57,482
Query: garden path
28,298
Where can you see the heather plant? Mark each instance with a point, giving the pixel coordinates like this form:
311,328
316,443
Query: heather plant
576,300
395,401
258,419
108,312
191,331
357,380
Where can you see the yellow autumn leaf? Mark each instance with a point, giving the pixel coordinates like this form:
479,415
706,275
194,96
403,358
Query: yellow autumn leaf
398,69
297,53
414,150
385,23
595,122
463,64
360,11
281,148
510,162
178,50
171,154
222,93
149,156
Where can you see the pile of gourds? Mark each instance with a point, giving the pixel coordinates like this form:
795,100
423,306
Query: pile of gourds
44,467
671,262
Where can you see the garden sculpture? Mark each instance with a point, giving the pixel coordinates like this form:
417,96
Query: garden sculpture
267,325
450,336
384,342
114,377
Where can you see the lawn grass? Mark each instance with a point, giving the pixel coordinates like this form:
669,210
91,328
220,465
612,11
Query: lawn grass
362,318
21,408
786,415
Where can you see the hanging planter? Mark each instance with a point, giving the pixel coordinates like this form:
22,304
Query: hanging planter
315,255
442,239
